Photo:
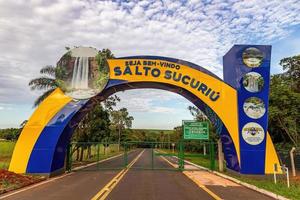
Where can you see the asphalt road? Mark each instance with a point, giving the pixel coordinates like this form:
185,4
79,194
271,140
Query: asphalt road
156,184
136,184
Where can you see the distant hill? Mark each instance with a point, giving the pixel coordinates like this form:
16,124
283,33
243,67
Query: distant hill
157,135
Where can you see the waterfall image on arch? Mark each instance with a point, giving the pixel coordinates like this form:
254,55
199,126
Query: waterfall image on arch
80,79
80,76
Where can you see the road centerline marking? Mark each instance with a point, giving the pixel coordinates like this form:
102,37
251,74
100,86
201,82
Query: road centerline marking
105,191
198,183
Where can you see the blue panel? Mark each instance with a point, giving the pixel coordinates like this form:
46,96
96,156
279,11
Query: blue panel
229,151
234,70
46,152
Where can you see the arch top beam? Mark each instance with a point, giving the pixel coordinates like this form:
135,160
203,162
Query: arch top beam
41,148
215,93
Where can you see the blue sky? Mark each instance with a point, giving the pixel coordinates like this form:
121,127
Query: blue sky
34,33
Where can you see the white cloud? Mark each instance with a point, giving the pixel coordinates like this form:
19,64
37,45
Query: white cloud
150,101
34,33
6,106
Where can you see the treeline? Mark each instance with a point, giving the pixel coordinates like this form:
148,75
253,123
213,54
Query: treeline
11,134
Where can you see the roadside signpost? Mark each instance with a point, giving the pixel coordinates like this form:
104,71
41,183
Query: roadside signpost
173,145
195,130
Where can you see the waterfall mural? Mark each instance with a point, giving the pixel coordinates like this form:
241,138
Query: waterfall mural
81,75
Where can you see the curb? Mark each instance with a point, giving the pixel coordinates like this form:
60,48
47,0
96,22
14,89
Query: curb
247,185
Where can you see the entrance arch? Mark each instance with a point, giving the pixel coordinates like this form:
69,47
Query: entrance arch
41,147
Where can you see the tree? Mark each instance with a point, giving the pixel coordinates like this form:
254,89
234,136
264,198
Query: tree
48,81
197,114
52,78
95,127
120,121
9,133
292,74
111,102
284,103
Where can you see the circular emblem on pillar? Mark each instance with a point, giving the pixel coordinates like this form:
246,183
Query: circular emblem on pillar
254,107
253,82
82,73
253,133
252,57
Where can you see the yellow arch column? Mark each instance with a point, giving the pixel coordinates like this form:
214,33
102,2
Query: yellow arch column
271,157
34,127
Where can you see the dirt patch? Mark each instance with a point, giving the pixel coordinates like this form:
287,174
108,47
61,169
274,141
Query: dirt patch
5,158
296,179
10,181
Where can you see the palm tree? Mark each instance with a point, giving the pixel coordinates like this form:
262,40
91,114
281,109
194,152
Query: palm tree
46,82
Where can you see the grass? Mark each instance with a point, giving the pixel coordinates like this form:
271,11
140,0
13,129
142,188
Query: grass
268,184
111,151
7,147
6,150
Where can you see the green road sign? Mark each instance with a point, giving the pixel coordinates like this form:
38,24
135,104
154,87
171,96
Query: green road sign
194,130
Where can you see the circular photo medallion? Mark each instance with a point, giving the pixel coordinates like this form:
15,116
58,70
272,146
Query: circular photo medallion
253,82
81,74
254,107
252,57
253,133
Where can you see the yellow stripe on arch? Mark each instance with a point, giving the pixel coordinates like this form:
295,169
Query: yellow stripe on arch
271,157
34,127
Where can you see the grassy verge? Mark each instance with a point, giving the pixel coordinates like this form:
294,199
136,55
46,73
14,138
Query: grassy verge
201,160
6,150
266,182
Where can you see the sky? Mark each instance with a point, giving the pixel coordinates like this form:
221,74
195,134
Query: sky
35,33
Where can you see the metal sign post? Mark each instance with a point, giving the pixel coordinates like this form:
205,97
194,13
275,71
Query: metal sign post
173,146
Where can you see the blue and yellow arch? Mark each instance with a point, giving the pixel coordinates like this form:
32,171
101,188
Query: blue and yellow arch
41,147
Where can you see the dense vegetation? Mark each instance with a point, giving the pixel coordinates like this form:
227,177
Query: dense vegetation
9,134
284,104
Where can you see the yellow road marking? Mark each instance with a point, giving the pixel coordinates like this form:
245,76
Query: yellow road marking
195,181
104,192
